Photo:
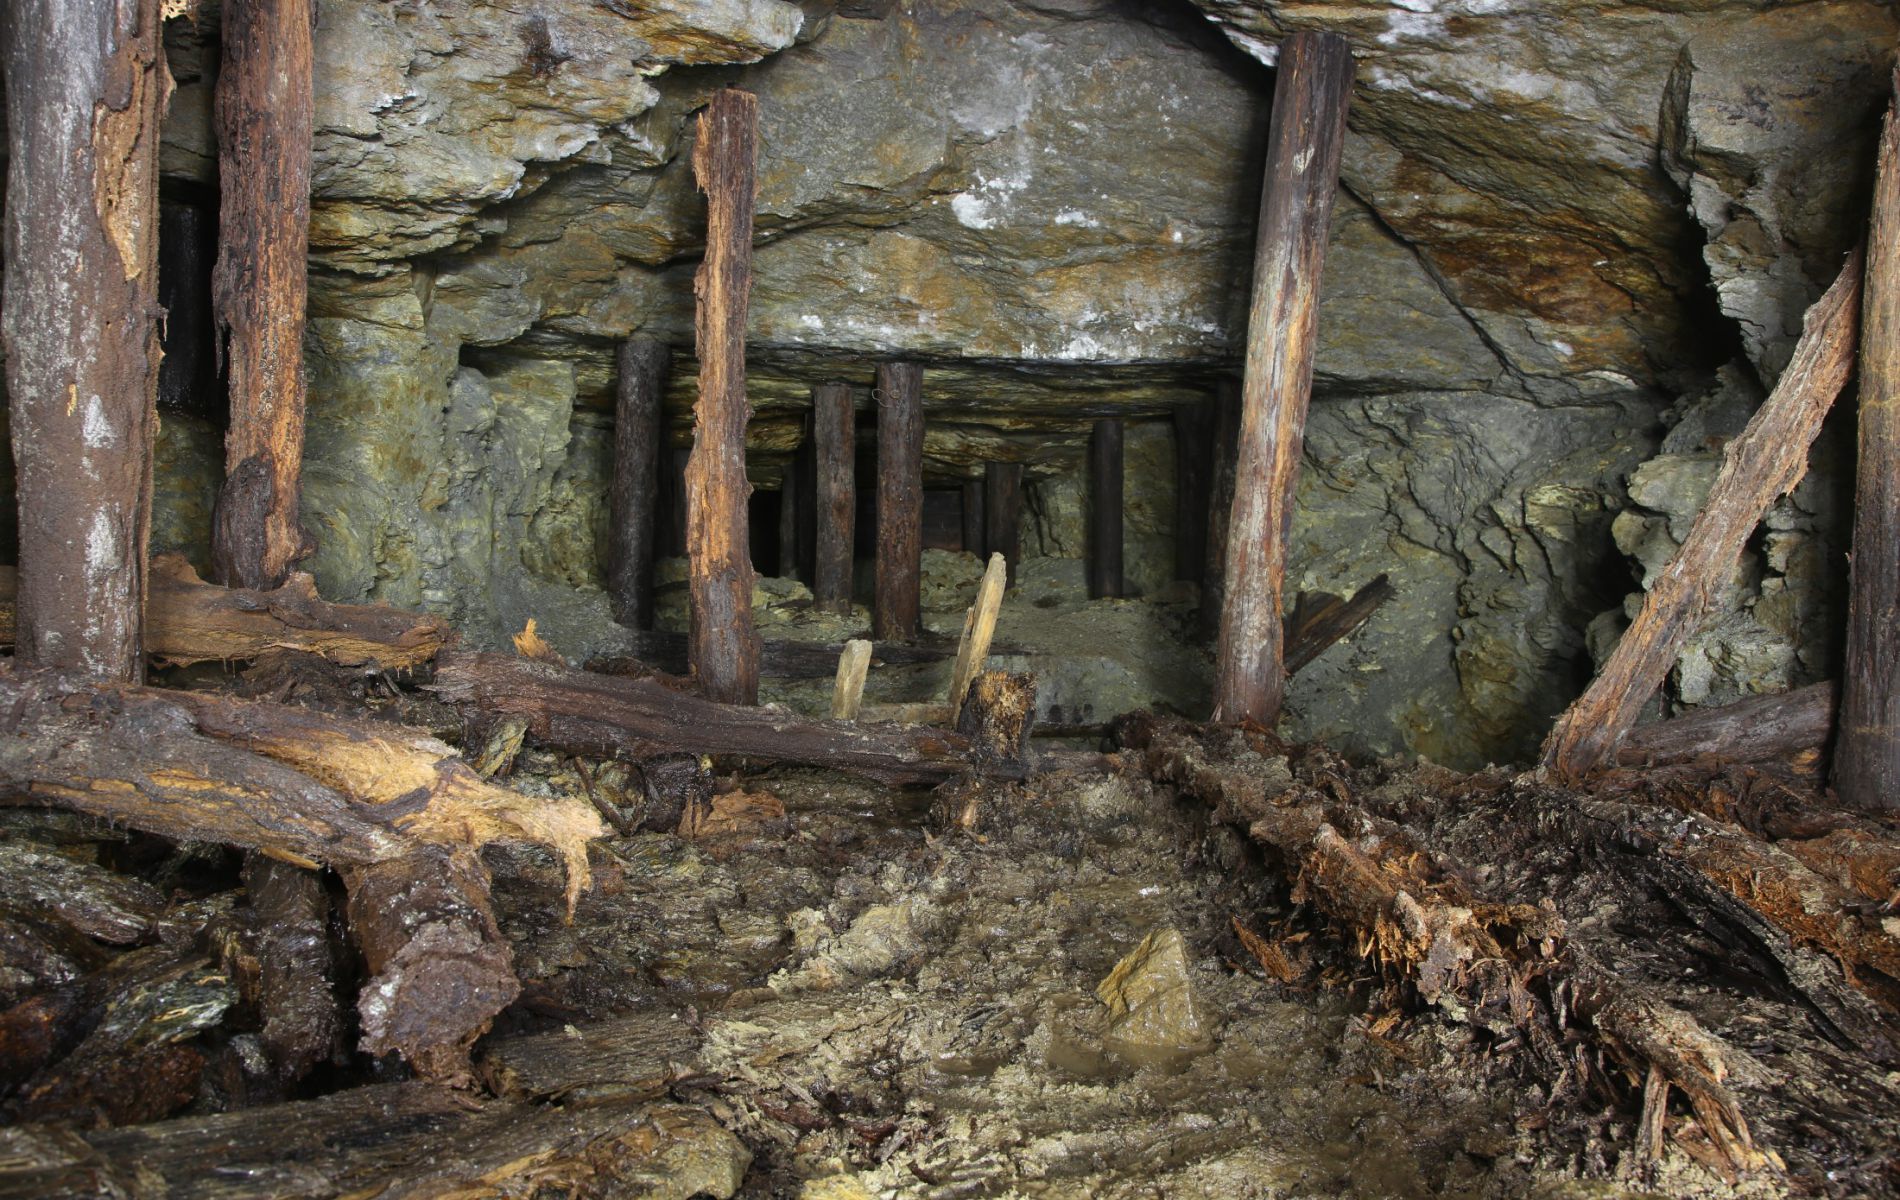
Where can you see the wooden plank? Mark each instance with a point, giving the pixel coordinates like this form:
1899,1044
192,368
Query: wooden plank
1767,459
847,695
85,85
1193,478
1003,512
265,107
1304,141
900,501
725,650
1320,618
634,499
979,628
1105,509
1867,751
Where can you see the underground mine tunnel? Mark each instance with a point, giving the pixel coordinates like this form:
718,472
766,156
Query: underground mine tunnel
1048,598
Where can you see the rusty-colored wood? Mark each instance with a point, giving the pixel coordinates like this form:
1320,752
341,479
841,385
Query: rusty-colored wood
725,650
900,501
265,107
1105,509
834,432
1304,141
1767,459
85,85
1867,750
638,430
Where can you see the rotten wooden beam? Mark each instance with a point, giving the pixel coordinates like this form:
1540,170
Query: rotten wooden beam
265,108
900,501
1304,140
979,629
1105,509
85,86
1867,751
1003,512
1320,619
725,650
189,621
1756,729
847,693
638,432
835,438
1768,458
584,713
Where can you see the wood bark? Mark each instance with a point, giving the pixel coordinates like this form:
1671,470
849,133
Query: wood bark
725,650
900,501
834,432
1766,460
638,431
86,83
1867,751
998,716
265,110
296,979
189,621
1751,730
1193,475
1220,503
584,713
1105,509
1304,141
1003,513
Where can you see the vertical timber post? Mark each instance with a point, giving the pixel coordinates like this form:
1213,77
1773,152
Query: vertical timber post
1220,503
900,501
1002,513
972,515
835,441
1304,140
85,85
265,108
636,482
1105,509
724,649
1193,469
1867,741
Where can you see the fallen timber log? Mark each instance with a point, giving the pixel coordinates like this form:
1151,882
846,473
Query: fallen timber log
1751,730
189,621
586,713
1512,969
394,811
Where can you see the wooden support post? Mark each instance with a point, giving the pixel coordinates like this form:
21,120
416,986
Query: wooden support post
790,498
1193,475
85,84
1767,459
1002,513
1105,508
979,629
972,513
265,106
835,443
636,483
1307,132
1867,750
1220,503
847,694
725,650
900,500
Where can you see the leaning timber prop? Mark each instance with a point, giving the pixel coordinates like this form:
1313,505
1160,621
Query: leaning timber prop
393,810
1304,143
190,621
1763,463
1867,754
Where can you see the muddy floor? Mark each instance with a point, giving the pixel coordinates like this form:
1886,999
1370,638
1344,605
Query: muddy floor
931,964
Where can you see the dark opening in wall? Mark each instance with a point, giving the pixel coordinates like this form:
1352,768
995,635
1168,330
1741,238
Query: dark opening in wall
191,375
